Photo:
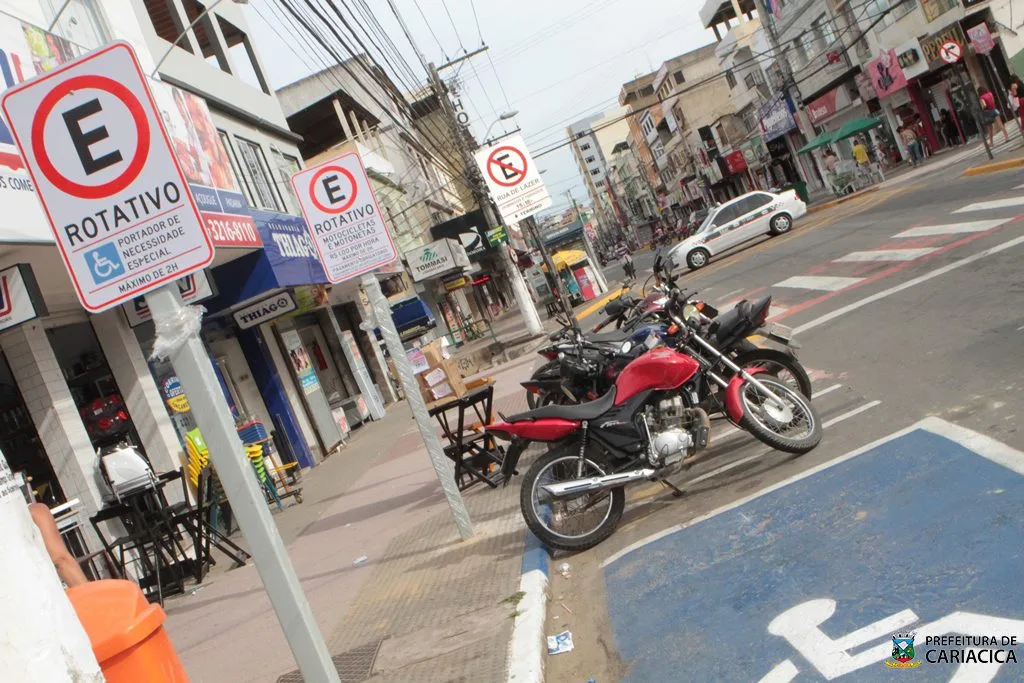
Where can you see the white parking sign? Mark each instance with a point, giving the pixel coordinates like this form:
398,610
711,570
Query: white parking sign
109,182
344,218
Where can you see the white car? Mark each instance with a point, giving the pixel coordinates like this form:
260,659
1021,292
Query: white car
737,221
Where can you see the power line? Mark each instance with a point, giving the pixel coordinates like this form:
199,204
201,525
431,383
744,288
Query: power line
479,33
444,3
429,28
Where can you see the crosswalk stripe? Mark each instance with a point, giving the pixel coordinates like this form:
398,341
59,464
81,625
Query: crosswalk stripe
950,228
992,204
884,255
828,284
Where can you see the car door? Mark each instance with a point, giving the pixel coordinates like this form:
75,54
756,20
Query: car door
725,224
755,216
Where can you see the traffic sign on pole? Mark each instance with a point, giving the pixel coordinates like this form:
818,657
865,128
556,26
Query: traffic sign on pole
513,179
951,51
981,38
106,174
344,218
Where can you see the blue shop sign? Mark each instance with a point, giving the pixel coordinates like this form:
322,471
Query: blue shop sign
288,259
776,117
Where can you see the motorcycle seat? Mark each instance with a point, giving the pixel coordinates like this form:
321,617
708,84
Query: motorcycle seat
617,336
576,412
744,314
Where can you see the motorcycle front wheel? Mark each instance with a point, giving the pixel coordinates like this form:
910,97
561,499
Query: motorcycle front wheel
576,523
792,426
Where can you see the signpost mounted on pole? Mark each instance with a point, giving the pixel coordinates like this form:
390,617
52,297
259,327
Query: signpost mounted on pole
951,52
352,239
126,225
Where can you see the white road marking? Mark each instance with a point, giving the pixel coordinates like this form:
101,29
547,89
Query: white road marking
967,260
884,255
992,204
949,229
850,413
828,284
742,461
827,390
784,672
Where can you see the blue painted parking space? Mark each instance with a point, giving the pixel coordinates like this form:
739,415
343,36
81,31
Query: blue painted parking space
921,535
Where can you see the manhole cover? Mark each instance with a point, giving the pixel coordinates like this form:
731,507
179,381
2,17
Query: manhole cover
353,665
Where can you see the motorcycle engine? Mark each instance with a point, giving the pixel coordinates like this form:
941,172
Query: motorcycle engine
673,427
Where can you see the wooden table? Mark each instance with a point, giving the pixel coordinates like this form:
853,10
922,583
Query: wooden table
471,449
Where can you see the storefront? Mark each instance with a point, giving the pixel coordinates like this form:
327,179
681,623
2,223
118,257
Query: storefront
777,125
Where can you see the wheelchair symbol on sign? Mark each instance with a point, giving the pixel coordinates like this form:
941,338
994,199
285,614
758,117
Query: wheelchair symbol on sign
800,626
104,263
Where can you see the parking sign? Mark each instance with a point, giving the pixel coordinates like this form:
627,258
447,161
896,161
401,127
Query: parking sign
344,218
109,182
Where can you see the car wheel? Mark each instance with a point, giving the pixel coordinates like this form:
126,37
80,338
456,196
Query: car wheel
698,258
781,224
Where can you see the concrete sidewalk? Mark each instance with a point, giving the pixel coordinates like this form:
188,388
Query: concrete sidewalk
423,607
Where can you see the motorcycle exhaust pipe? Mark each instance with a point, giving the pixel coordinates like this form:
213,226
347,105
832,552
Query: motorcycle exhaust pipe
567,489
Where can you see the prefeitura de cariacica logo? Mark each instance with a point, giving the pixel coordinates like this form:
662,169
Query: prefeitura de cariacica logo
902,652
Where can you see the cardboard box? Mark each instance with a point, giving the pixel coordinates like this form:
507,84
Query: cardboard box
442,379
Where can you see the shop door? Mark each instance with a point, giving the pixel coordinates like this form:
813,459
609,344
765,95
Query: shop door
228,355
20,442
304,374
327,371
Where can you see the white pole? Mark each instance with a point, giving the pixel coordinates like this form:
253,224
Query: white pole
41,639
443,467
177,329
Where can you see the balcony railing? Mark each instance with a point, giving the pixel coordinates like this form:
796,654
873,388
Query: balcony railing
822,70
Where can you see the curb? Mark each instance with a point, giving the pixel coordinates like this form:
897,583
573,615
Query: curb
841,200
994,167
526,650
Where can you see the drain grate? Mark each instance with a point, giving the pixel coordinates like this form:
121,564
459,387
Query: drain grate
353,665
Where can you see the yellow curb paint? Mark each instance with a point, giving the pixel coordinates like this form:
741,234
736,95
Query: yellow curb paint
841,200
600,302
995,167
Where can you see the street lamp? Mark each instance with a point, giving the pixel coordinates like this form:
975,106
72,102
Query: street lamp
187,29
504,117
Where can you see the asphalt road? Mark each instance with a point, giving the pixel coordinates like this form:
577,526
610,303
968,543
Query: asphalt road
909,303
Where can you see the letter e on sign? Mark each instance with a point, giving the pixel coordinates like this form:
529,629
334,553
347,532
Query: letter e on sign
344,218
107,177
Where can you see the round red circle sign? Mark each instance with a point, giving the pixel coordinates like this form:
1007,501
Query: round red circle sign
349,198
504,171
142,132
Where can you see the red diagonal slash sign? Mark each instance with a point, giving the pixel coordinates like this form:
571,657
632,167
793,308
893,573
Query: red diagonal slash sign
506,166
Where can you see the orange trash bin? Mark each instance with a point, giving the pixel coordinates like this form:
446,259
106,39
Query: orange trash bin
126,633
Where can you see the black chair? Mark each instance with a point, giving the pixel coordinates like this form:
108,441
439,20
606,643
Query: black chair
195,519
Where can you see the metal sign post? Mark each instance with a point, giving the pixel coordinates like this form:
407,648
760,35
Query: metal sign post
352,239
177,329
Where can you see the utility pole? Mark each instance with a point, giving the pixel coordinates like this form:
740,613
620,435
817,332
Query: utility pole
476,184
598,274
554,281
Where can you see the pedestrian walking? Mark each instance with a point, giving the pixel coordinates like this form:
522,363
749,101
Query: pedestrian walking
627,261
990,114
860,152
909,137
1015,95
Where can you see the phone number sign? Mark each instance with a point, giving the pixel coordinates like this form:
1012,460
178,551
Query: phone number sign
110,185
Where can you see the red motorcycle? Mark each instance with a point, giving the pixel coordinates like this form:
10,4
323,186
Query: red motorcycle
648,426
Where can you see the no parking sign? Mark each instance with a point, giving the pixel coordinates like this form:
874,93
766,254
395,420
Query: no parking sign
344,218
109,182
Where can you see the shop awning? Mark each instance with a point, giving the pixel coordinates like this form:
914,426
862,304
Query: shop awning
817,142
569,257
853,127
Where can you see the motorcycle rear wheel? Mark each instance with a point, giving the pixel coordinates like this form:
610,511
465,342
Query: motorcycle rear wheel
542,512
766,421
779,364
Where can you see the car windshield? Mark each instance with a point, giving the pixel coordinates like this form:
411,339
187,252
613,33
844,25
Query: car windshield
705,222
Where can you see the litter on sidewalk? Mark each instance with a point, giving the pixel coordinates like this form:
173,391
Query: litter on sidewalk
560,643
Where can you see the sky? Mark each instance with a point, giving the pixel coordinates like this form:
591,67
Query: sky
553,61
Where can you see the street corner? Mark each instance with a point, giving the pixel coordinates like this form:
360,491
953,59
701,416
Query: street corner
902,554
995,167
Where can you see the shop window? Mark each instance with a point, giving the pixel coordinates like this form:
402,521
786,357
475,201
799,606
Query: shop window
95,392
730,78
240,180
167,22
285,166
257,170
243,57
20,444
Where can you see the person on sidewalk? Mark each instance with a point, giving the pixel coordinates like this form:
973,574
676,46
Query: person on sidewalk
627,261
909,138
860,152
950,134
1015,95
64,562
990,114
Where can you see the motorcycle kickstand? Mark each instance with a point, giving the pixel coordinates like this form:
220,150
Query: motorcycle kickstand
676,491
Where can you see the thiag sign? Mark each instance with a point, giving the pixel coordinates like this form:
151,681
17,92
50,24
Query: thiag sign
435,259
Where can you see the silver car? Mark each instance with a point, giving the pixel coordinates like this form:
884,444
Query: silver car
737,221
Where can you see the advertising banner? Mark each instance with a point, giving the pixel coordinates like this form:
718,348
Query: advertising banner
776,118
207,167
886,74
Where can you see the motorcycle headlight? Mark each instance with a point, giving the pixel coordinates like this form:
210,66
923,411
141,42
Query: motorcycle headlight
626,346
690,312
